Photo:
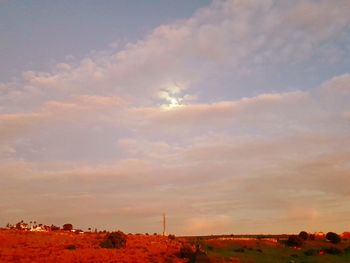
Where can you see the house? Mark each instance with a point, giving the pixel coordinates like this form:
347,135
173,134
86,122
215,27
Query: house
320,235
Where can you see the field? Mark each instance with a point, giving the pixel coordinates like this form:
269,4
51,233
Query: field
62,246
59,246
251,250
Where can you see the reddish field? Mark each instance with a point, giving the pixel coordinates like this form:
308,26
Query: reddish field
24,246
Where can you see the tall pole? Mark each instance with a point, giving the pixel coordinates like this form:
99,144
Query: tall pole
164,224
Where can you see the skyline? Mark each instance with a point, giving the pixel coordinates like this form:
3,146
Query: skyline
228,116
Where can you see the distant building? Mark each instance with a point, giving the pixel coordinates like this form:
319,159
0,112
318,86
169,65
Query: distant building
38,228
345,235
320,235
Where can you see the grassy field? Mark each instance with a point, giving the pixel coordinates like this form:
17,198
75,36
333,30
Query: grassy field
269,251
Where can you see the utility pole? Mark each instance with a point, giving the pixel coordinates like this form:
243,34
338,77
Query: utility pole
164,224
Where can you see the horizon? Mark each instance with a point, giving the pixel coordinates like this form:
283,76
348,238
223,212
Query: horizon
228,116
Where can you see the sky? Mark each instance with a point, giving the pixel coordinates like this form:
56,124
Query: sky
229,116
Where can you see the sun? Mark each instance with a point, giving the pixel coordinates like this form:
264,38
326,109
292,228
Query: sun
174,102
171,97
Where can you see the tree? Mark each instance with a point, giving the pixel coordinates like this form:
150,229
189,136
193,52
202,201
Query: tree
114,240
294,241
333,237
54,228
67,227
303,235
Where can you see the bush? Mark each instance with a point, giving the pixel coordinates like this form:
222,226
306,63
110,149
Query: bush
312,236
114,240
347,249
239,250
210,248
294,241
71,247
54,228
303,235
333,237
171,237
67,227
186,251
332,250
310,252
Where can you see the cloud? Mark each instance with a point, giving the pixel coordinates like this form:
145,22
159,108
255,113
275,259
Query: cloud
238,37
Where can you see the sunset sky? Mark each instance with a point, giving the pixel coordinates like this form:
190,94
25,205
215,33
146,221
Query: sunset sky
229,116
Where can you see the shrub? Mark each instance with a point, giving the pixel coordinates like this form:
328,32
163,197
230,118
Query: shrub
239,250
114,240
186,251
171,237
294,241
71,247
54,228
333,237
347,249
332,250
310,252
67,227
303,235
312,236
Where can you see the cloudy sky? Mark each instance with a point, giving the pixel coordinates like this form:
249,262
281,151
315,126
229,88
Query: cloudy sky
229,116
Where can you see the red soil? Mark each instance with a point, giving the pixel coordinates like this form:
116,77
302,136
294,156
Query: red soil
22,246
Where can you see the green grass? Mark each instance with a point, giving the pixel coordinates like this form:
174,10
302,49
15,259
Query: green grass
269,254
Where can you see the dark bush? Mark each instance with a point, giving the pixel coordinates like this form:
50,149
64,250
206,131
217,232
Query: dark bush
54,228
114,240
312,236
310,252
333,237
332,250
186,251
347,249
171,237
71,247
67,227
294,241
303,235
239,250
259,250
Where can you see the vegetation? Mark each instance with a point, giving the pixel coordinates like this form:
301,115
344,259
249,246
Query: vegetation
294,241
332,250
186,251
171,237
333,237
303,235
67,227
71,247
114,240
64,246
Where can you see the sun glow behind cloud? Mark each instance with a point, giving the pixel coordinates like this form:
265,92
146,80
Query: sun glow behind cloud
172,95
